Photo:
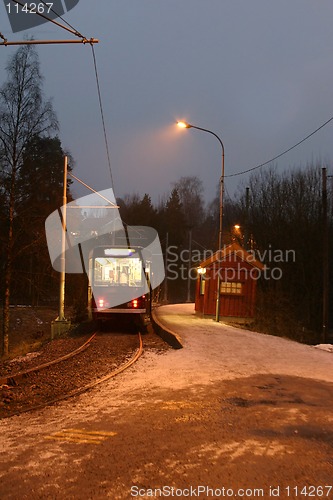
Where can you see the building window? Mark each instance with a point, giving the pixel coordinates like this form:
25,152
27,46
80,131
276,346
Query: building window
231,288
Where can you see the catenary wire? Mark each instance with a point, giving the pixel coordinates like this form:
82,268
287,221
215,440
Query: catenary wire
99,99
283,153
227,195
77,33
102,115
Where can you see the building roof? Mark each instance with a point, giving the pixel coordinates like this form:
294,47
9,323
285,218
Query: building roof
230,252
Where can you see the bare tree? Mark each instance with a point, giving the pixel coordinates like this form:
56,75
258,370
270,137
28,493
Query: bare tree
23,114
285,219
190,191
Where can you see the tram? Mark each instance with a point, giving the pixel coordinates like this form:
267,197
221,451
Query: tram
119,283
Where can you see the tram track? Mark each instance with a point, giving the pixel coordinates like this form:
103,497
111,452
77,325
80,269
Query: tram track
103,356
14,378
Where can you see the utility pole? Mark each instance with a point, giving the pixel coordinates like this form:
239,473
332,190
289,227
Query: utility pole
165,294
63,246
325,255
189,265
61,324
247,218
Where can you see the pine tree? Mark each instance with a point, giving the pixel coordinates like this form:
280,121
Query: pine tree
39,192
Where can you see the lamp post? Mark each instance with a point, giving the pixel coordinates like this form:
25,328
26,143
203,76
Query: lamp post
182,124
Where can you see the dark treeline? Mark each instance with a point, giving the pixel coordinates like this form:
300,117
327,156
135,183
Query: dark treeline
284,213
281,221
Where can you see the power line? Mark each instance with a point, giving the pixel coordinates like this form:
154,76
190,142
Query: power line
75,32
102,115
40,14
283,153
71,29
227,193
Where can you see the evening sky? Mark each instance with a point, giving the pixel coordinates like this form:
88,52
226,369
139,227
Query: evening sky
256,72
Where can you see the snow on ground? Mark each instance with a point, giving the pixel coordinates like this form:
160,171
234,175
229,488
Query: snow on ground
212,352
325,347
224,351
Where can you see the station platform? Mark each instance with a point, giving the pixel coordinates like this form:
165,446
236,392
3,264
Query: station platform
175,322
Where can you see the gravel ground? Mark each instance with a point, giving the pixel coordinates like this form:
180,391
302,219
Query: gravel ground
106,352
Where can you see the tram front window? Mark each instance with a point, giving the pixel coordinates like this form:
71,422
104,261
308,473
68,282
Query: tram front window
109,271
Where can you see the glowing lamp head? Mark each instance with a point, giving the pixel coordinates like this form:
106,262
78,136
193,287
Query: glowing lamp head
183,125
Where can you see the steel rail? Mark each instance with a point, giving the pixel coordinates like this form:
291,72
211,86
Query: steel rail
17,376
85,388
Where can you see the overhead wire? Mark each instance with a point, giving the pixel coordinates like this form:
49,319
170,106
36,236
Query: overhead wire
75,31
102,114
40,14
226,192
283,153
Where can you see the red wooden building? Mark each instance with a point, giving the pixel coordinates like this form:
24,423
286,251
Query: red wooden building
239,272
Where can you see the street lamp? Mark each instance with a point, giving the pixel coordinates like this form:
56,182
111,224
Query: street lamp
183,124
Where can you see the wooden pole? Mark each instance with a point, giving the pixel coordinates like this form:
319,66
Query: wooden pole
325,256
63,247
